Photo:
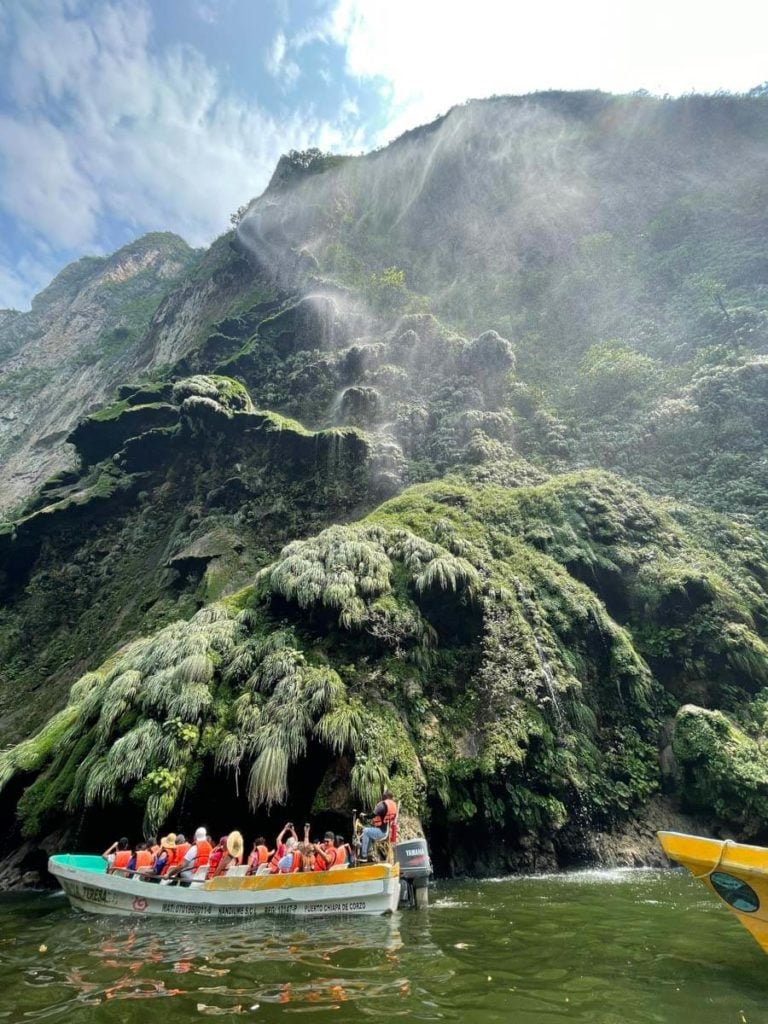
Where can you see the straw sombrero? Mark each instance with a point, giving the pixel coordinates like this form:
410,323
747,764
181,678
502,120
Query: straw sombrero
169,841
235,845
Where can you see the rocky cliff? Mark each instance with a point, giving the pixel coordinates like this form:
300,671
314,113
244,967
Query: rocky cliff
83,334
446,469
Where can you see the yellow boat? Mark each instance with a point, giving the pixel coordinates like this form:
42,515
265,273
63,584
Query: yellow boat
735,872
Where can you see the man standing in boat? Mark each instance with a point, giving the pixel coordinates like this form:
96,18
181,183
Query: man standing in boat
384,819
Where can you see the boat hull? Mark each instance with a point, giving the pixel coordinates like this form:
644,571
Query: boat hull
736,873
370,889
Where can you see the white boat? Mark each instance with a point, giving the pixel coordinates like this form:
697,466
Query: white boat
368,889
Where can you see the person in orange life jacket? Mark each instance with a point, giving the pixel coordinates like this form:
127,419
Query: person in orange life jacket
343,853
153,846
233,853
161,858
181,846
142,859
118,856
215,859
259,855
169,855
292,859
196,856
384,814
325,853
281,847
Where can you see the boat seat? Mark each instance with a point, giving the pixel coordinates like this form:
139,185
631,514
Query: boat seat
239,871
263,870
339,867
200,874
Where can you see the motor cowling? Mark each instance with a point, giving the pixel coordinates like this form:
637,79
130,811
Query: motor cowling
415,868
413,857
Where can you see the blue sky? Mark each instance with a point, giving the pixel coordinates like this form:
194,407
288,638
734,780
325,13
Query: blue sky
124,116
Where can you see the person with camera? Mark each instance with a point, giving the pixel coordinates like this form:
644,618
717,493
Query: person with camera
281,846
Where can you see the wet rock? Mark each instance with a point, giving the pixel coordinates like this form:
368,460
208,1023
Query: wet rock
360,406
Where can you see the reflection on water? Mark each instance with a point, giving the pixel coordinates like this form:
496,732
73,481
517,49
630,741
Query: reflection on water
613,947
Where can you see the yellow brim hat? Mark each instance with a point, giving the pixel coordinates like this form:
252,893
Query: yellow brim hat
235,844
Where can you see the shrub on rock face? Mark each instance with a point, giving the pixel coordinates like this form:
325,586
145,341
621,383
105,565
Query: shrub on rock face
489,355
228,393
360,406
723,769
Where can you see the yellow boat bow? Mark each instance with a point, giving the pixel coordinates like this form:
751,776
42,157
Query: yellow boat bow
735,872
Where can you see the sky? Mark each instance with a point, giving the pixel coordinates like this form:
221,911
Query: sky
119,117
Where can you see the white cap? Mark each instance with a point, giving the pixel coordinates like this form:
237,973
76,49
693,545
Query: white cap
200,833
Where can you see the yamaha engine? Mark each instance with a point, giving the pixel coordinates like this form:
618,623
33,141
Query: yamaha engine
415,868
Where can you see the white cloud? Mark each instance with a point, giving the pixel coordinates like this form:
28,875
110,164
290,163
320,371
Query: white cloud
278,64
435,54
98,127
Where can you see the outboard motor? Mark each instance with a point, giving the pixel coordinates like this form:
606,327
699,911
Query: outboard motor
415,868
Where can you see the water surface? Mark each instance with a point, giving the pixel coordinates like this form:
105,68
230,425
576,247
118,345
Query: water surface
621,947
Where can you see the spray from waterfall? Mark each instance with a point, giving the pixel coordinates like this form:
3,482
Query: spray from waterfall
546,669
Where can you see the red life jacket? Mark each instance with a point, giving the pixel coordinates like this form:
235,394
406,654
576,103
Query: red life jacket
174,858
121,859
144,859
181,852
390,814
203,854
278,854
321,864
214,861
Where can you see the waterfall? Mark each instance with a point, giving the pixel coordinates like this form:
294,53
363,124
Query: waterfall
546,668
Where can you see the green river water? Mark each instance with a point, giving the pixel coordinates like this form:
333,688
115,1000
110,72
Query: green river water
604,947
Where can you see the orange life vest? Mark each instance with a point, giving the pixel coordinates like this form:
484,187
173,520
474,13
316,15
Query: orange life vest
203,854
144,859
321,864
175,857
277,856
122,857
341,856
181,852
295,864
263,853
154,850
389,816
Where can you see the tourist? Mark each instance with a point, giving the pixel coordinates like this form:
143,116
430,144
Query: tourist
384,817
142,860
259,855
161,857
307,854
292,859
325,853
343,853
171,849
197,855
216,854
233,853
281,847
118,856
